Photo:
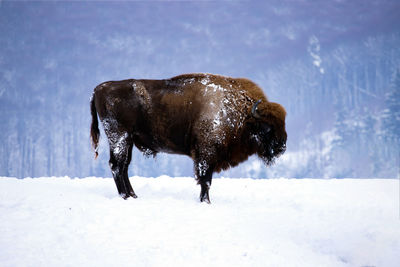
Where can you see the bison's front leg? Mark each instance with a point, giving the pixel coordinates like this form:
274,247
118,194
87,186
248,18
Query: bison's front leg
204,172
120,157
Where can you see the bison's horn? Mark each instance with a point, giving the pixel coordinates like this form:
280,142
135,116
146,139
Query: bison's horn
254,110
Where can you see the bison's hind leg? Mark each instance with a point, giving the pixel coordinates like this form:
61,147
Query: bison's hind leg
120,156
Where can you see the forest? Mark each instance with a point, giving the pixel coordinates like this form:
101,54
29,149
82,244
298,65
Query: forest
337,75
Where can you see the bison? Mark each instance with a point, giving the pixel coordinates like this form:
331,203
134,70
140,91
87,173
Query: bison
218,121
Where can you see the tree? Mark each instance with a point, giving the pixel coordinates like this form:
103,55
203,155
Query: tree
391,125
391,114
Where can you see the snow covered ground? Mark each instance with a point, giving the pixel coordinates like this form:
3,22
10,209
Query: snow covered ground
277,222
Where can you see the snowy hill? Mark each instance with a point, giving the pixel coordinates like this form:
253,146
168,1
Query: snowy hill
278,222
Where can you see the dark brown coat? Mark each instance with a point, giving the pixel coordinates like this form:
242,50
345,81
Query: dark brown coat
217,121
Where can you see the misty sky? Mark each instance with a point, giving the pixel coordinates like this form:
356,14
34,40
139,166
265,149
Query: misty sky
257,34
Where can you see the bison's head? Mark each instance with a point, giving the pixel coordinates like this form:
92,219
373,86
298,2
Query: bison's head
268,130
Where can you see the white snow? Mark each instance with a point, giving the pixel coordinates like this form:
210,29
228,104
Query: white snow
214,87
121,144
276,222
205,80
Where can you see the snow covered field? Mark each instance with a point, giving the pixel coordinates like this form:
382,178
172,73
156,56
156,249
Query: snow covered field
277,222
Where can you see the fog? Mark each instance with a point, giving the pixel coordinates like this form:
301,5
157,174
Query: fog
334,66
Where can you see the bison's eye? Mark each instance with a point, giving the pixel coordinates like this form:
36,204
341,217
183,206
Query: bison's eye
265,128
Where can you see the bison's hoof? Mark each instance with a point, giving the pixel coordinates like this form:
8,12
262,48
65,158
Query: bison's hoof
205,199
126,196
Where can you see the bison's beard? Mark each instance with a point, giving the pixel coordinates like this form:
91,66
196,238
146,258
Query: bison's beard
270,146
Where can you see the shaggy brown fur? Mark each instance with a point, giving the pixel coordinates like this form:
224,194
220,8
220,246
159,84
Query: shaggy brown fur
210,118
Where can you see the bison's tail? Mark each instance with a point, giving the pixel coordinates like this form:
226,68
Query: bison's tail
94,129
